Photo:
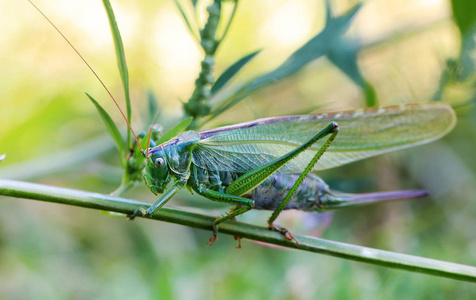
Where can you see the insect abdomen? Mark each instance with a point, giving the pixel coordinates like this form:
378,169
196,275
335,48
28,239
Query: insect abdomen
272,192
269,194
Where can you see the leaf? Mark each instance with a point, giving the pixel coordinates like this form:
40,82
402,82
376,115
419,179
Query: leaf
231,71
111,128
153,108
121,60
459,73
344,56
314,48
180,127
464,12
318,46
467,59
185,18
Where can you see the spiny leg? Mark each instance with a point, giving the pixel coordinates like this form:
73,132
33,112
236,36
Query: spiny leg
255,177
333,131
231,214
242,205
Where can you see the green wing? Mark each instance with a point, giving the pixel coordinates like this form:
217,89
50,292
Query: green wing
363,133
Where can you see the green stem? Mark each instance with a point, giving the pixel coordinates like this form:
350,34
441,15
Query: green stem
198,104
230,19
123,188
368,255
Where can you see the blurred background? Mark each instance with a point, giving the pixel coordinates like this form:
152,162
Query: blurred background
409,51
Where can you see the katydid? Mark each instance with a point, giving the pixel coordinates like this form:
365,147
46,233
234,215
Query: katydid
265,164
268,163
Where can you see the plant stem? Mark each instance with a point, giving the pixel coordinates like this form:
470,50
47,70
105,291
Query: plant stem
198,105
121,205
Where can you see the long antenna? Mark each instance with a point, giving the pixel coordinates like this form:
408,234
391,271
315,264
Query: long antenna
92,70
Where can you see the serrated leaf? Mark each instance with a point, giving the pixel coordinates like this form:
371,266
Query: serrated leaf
111,128
121,60
180,127
231,71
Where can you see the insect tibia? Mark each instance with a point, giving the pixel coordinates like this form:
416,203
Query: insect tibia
335,200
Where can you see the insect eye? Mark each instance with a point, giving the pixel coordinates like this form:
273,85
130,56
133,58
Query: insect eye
159,162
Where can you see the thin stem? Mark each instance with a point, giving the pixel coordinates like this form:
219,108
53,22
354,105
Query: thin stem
198,105
368,255
123,188
230,19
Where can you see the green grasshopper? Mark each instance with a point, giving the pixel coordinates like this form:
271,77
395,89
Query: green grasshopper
267,163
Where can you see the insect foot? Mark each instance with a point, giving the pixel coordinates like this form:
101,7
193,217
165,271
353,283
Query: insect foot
286,233
138,211
214,236
237,238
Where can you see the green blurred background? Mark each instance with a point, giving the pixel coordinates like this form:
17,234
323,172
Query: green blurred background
411,51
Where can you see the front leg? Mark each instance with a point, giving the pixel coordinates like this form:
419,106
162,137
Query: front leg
158,204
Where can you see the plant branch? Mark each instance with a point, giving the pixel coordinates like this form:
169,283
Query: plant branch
198,105
46,193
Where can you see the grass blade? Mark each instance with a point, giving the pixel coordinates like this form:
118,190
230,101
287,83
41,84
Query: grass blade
181,126
121,61
231,71
111,128
464,13
153,108
185,19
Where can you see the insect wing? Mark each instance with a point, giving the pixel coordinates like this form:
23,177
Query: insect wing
363,133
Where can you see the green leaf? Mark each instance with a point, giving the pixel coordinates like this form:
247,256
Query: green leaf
185,19
344,56
460,73
111,128
231,71
180,127
153,111
467,60
121,61
318,46
464,12
313,49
